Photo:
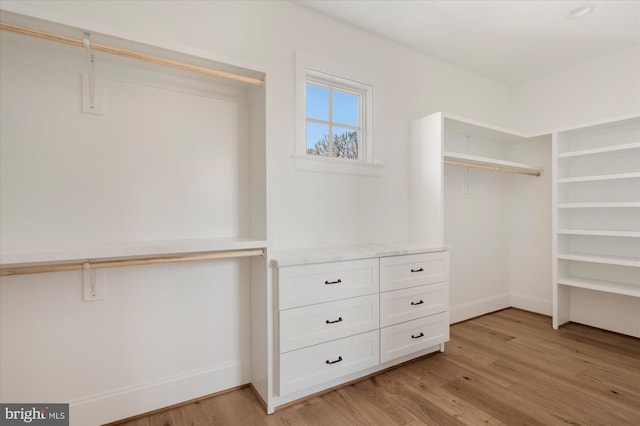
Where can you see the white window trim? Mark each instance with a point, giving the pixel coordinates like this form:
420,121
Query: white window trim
369,164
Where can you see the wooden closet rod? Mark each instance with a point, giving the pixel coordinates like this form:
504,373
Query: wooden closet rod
20,270
132,54
494,168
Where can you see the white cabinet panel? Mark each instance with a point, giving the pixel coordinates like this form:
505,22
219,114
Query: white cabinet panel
397,272
309,284
408,337
310,325
414,302
317,364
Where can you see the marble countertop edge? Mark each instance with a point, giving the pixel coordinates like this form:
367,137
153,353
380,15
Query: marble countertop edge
306,256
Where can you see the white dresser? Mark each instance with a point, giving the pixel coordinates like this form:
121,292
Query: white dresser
348,312
414,303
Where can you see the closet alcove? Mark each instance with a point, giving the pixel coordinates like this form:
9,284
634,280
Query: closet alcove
158,172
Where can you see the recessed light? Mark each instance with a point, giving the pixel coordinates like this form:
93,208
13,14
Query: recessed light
579,12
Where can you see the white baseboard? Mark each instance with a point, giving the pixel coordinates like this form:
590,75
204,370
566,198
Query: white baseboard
464,311
531,303
134,400
606,321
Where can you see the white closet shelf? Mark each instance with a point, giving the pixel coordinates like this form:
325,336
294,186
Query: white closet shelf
594,227
626,204
601,150
14,257
600,232
599,285
616,176
608,260
456,158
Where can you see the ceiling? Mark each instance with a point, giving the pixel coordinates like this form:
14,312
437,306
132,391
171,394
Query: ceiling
510,41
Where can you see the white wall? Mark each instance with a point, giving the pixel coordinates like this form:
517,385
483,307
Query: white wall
603,88
529,208
599,89
475,229
304,208
164,333
161,163
498,225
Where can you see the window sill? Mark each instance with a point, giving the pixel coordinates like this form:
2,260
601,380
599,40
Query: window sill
335,165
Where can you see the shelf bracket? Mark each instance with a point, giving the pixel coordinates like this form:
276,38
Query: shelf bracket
92,283
466,169
91,93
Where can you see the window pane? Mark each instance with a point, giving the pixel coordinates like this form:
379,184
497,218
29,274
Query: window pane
317,102
345,143
317,138
345,108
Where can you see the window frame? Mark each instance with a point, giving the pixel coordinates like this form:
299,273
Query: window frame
334,83
322,72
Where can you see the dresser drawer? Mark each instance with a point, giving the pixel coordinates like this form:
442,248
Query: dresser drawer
413,336
411,303
317,364
309,284
397,272
310,325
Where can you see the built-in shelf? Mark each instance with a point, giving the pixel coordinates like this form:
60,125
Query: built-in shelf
600,150
629,204
455,158
600,177
595,222
599,285
600,232
122,250
609,260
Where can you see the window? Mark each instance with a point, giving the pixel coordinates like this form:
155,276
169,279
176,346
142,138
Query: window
334,119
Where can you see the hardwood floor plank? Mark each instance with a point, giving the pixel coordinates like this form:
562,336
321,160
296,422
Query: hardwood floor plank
610,342
573,409
455,407
243,404
497,401
408,399
139,422
435,370
616,382
379,396
506,368
567,396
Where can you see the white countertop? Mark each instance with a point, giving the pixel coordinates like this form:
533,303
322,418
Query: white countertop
304,256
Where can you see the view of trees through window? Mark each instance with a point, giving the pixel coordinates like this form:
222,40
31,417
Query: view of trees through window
344,145
333,121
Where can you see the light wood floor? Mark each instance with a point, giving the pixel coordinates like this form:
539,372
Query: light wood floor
509,367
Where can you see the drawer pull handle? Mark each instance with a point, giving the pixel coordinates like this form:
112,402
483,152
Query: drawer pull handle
413,336
334,321
333,362
338,281
417,270
417,303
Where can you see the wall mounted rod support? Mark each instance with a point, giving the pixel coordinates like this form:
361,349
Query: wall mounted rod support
20,270
132,54
494,168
